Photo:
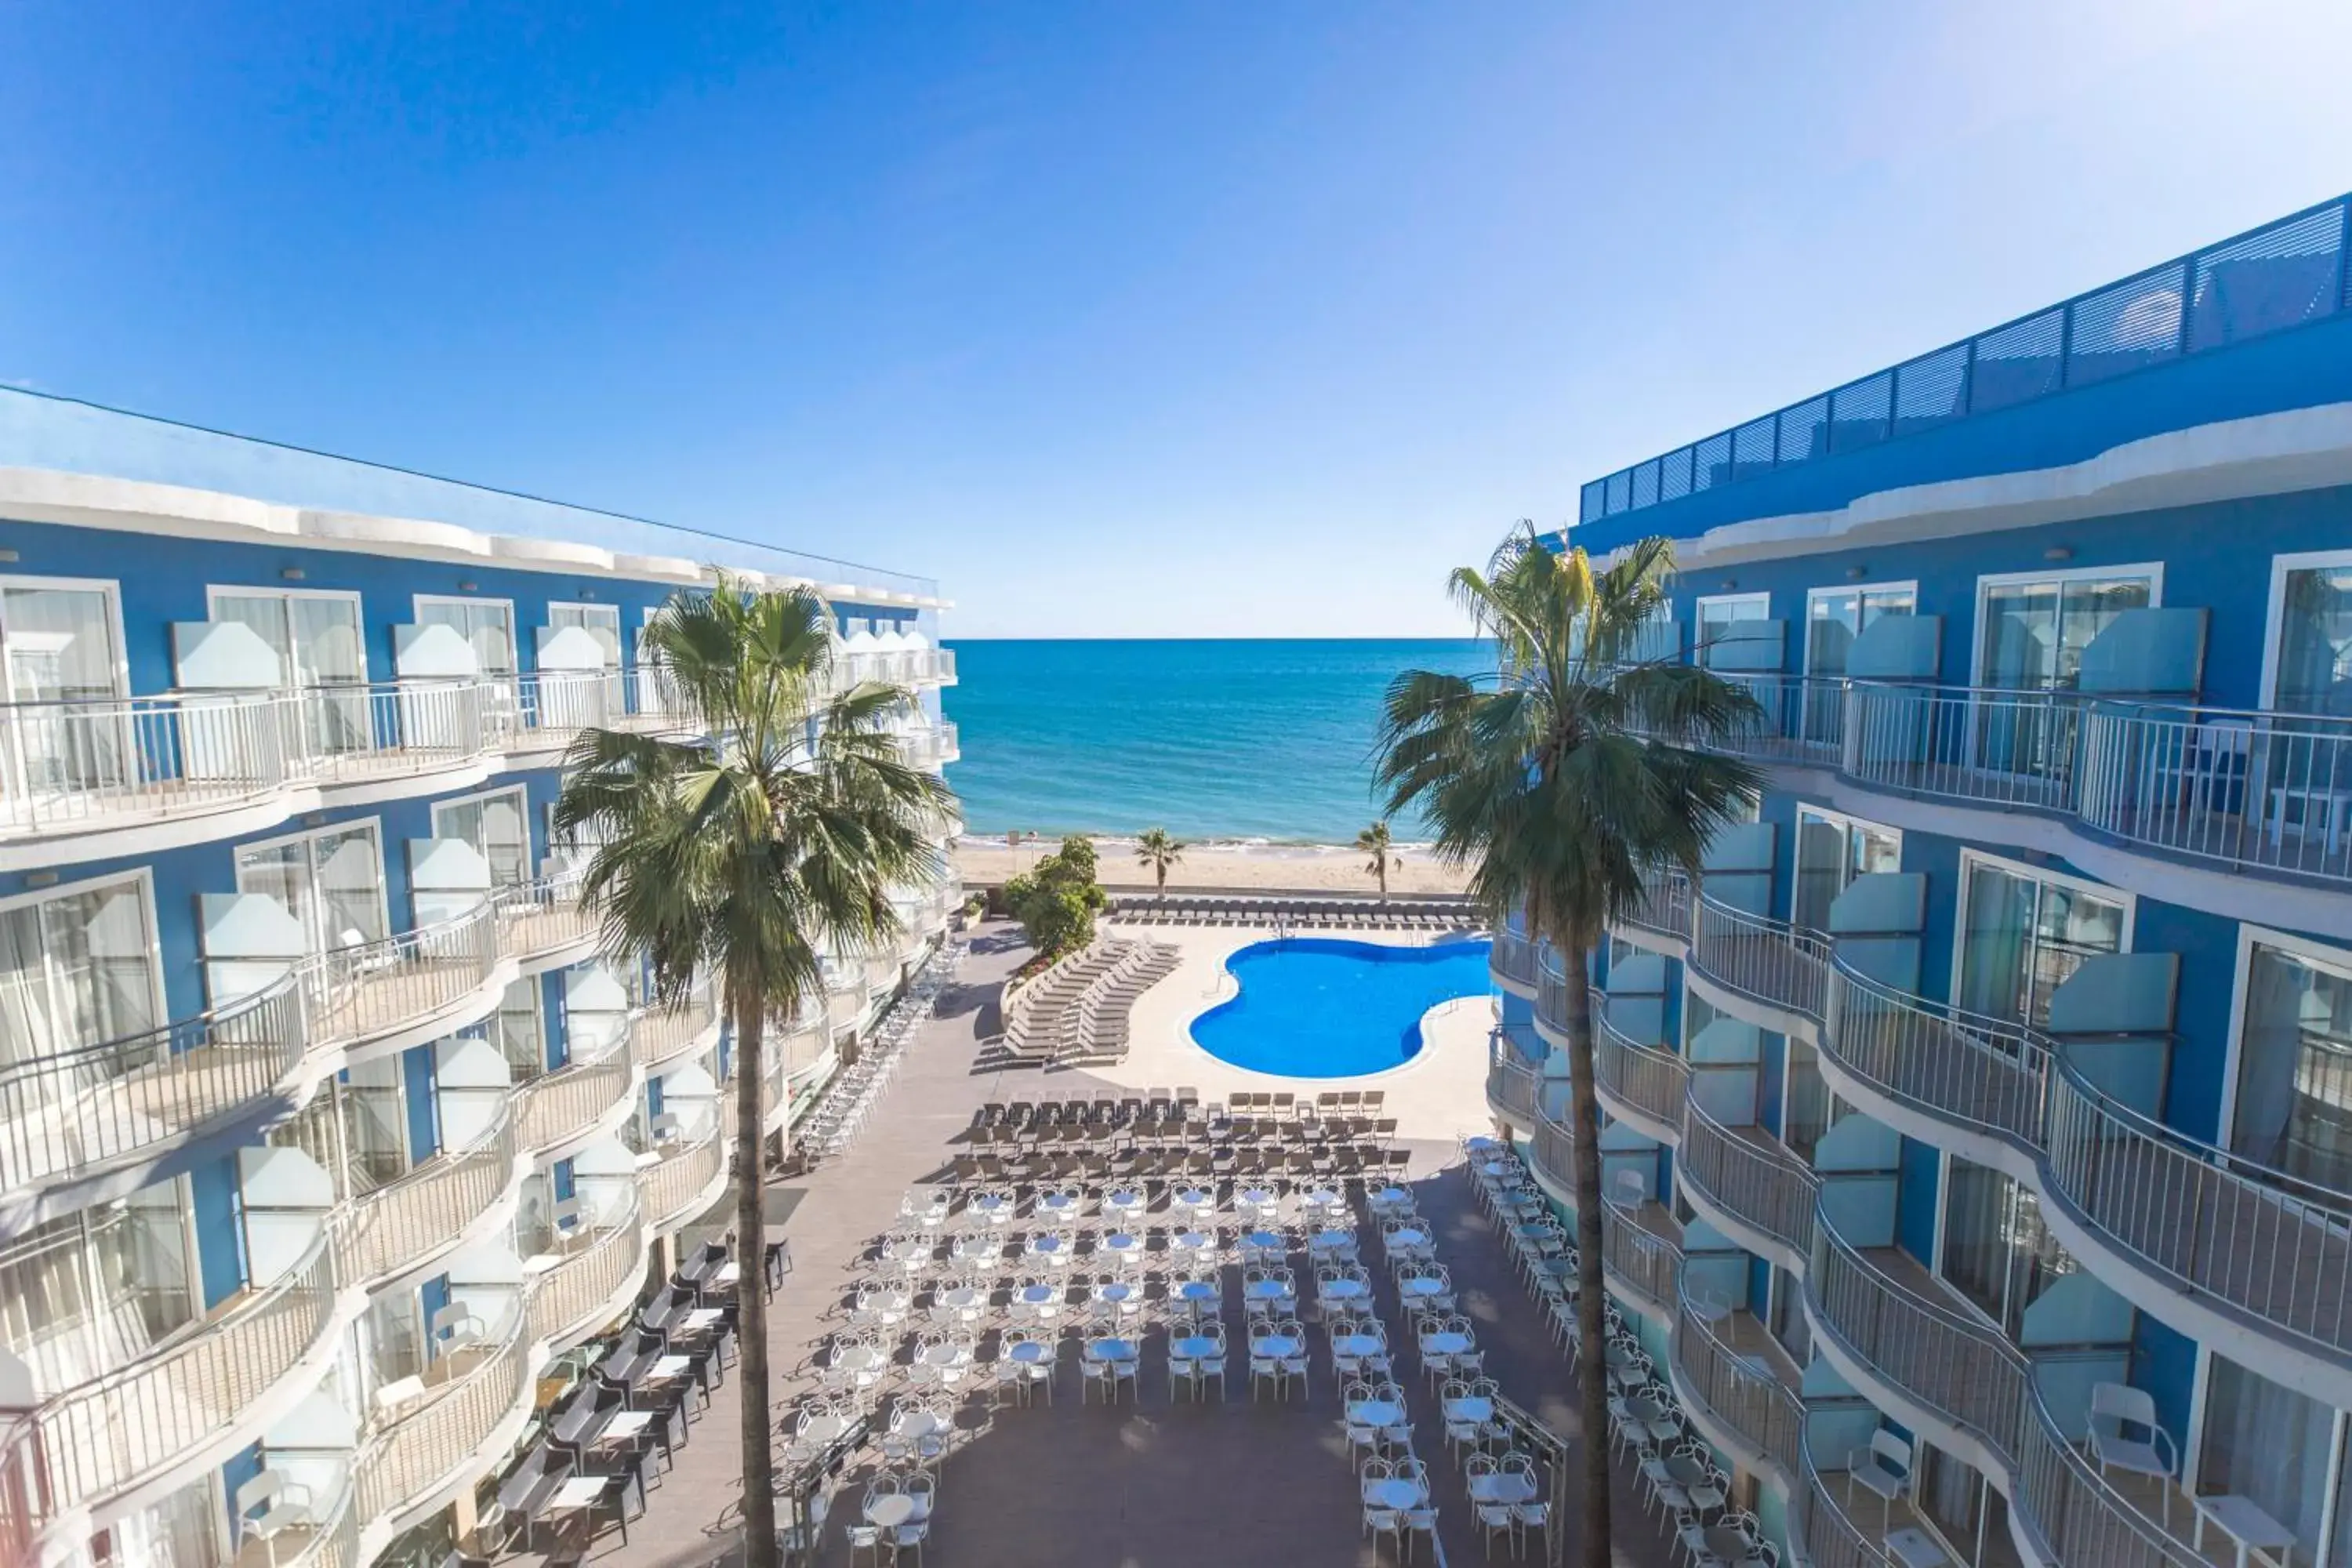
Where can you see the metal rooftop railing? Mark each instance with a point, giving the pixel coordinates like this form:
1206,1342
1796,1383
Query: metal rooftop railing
2284,274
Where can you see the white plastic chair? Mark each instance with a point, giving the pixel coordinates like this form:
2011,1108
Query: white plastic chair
2116,1410
1882,1469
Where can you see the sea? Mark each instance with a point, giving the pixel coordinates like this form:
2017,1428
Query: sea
1213,740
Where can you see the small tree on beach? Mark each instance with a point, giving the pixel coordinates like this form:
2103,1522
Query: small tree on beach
1560,782
1374,841
744,854
1159,851
1056,901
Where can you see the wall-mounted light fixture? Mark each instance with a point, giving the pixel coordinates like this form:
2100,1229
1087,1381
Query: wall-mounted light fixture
8,557
465,587
291,574
1856,573
40,878
315,819
2058,553
1729,583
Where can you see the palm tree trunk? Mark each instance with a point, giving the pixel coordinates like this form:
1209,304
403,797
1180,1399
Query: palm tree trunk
1592,1294
750,1280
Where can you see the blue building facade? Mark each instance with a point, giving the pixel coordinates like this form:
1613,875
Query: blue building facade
1979,1122
324,1127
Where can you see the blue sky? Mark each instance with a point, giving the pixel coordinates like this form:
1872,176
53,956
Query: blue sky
1182,319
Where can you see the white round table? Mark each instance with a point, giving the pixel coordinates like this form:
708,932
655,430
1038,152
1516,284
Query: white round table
1408,1237
1115,1292
858,1358
1274,1345
1397,1495
890,1510
1039,1295
1045,1246
1124,1203
1321,1198
1356,1345
1057,1203
1030,1352
1200,1290
1191,1241
1264,1241
1110,1350
1469,1409
1343,1291
1376,1413
1391,1196
1332,1241
1421,1285
945,1355
1192,1347
960,1297
822,1428
1122,1244
1268,1290
1502,1487
1446,1343
1256,1197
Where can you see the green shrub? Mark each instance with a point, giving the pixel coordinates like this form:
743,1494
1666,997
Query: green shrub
1056,901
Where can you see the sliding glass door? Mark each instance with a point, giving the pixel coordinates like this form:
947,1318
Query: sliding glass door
331,881
58,649
77,968
2021,936
2292,1109
1832,851
320,655
2031,634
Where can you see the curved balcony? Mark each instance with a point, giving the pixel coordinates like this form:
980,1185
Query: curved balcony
332,1543
1641,1255
559,1110
405,989
1750,1179
403,1229
1799,719
88,1113
1832,1538
591,1286
1976,1074
1983,745
75,770
1956,1369
1639,1084
548,709
409,1468
1551,1154
678,1188
1551,993
1742,1396
540,923
1664,911
1513,1088
1512,959
1765,960
658,1036
2265,1244
140,1425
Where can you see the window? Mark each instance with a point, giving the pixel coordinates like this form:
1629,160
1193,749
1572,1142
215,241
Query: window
77,967
2293,1105
486,624
331,880
2032,629
1832,851
316,636
2270,1443
82,1294
2308,667
1716,615
497,826
2022,934
602,621
60,642
1808,1109
1786,1310
1995,1248
1835,617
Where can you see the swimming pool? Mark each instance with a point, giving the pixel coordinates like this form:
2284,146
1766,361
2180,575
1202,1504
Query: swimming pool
1319,1008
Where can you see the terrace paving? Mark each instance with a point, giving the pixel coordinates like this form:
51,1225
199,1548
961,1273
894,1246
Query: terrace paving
1077,1485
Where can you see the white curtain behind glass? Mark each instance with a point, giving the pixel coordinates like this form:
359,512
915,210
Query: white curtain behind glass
2270,1444
2293,1106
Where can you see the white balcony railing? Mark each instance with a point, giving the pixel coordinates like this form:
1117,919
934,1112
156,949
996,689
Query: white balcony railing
569,1297
677,1188
1758,1180
116,1431
378,988
402,1227
1512,956
657,1035
1651,1083
425,1449
85,1108
539,918
558,1106
1647,1263
1768,960
1512,1086
1742,1391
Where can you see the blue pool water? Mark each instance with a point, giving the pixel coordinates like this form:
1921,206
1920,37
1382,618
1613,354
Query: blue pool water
1319,1008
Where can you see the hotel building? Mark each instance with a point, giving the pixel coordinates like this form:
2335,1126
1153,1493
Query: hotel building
324,1128
1977,1127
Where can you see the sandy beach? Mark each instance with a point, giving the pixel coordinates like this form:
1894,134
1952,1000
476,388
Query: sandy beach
1255,867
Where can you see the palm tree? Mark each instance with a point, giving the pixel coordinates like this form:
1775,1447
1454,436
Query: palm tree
1159,851
743,855
1561,783
1374,841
